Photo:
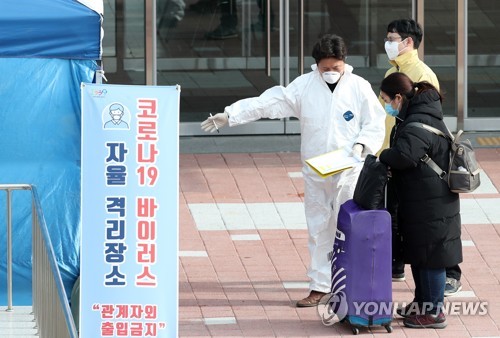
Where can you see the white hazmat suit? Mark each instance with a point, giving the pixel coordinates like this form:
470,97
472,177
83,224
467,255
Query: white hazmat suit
328,121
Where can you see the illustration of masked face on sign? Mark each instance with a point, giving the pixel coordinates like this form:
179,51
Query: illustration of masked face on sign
119,116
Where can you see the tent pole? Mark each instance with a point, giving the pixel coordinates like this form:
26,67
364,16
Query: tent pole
150,41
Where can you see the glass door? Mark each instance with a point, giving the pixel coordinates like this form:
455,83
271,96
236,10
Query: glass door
483,48
363,26
220,51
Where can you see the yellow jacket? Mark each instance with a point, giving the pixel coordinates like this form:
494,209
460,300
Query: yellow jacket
409,64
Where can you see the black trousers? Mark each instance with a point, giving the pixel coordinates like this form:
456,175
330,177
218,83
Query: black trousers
454,272
229,14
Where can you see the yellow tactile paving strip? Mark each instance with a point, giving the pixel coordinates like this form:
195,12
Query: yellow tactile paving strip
488,141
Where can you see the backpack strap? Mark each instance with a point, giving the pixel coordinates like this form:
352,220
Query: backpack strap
433,165
426,158
459,133
429,128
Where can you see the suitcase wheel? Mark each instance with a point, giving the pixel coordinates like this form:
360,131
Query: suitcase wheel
355,330
388,328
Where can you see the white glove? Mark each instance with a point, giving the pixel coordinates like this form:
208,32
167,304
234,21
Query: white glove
214,123
357,149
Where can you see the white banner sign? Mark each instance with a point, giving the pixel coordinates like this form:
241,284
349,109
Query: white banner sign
129,252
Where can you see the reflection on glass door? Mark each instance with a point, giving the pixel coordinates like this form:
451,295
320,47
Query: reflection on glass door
219,52
363,26
123,41
360,23
216,50
440,51
483,66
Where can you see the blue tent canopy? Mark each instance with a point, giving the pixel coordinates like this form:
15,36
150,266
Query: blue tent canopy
63,29
47,49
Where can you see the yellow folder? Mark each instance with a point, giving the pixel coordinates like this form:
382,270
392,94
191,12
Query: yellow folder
333,162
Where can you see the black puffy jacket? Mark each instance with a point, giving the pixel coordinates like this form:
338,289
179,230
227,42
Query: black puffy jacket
428,212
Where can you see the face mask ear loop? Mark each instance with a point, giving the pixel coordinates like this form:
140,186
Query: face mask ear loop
406,45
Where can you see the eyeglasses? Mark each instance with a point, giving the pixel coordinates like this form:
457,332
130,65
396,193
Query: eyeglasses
393,38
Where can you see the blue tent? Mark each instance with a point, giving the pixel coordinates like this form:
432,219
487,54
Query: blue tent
47,48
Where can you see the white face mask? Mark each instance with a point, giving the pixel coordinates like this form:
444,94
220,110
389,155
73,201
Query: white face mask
392,49
331,77
116,116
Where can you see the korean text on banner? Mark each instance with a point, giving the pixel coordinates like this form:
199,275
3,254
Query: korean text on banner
129,255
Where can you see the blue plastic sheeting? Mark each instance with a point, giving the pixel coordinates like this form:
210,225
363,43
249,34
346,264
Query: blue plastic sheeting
40,144
49,29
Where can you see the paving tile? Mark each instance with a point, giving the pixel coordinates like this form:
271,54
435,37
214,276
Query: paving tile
235,216
292,215
463,294
482,211
244,256
207,216
295,174
249,237
193,254
265,216
296,285
241,216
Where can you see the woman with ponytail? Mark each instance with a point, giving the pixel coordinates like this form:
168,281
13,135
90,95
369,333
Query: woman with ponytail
428,212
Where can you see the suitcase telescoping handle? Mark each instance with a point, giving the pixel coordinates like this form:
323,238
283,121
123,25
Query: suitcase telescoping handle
385,194
389,176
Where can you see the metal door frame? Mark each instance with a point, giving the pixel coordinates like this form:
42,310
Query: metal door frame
283,64
287,126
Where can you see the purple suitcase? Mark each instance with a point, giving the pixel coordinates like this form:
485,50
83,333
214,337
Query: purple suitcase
362,267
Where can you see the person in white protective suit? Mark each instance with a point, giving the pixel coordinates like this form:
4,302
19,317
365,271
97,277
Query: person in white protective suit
336,109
